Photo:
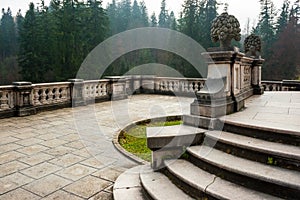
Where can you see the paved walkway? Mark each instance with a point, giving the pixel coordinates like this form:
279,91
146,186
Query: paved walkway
68,153
277,110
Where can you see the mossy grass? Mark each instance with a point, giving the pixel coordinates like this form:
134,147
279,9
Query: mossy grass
134,139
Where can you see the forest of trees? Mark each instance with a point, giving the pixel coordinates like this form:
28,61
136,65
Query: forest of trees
51,41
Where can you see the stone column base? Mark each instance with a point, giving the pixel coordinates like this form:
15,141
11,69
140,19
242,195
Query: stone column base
25,111
213,109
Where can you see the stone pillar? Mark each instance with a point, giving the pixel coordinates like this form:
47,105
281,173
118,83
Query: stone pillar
258,89
148,84
117,89
77,92
24,99
216,98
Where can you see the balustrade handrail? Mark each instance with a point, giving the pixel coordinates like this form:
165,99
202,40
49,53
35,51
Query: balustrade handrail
50,84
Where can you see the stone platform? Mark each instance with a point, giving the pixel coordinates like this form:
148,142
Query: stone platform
68,153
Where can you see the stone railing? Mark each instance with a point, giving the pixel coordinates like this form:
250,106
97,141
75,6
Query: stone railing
24,98
96,90
285,85
51,93
178,86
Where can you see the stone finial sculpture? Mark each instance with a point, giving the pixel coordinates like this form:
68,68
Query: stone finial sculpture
252,46
225,28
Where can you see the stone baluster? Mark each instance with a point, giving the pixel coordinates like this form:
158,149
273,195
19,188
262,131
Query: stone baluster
56,94
36,97
50,96
43,96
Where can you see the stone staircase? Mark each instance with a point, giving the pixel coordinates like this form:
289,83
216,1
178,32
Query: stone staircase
241,162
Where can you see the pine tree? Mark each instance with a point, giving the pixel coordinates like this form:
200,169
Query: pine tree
266,30
8,40
28,57
153,20
285,59
123,15
96,22
209,14
112,16
283,18
144,14
188,23
172,21
163,16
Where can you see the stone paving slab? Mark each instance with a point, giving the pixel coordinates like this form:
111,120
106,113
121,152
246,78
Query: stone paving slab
275,110
68,153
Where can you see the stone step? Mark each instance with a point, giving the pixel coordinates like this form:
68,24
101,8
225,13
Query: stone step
202,185
283,155
128,185
159,187
173,136
261,132
273,180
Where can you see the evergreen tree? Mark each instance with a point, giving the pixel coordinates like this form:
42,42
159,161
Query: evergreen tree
8,40
209,14
144,14
124,15
153,20
283,18
96,22
284,61
112,16
19,21
28,56
172,21
163,16
189,21
266,30
196,20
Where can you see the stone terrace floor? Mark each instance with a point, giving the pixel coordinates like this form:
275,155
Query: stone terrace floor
68,153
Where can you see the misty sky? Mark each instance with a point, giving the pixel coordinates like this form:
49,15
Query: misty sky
241,9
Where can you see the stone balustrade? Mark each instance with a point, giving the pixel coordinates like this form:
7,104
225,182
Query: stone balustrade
24,98
178,86
285,85
96,90
51,93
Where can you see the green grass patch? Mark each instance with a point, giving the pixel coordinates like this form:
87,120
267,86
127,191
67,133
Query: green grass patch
134,140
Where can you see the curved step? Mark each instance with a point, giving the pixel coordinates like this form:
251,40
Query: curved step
202,184
159,187
128,186
278,154
268,179
262,132
173,136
